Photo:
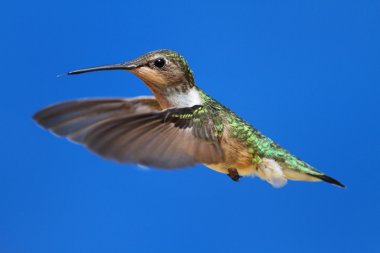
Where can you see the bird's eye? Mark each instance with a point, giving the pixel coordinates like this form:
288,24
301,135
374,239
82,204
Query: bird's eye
159,63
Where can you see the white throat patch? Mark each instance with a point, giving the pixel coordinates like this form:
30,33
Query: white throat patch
188,98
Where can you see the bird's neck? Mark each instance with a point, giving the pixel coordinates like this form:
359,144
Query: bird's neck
178,96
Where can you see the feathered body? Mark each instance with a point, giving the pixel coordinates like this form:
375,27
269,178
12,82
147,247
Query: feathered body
178,127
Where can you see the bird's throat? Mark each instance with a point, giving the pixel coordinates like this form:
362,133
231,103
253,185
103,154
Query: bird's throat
169,97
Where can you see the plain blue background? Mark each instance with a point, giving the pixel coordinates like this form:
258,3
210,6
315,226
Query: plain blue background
306,73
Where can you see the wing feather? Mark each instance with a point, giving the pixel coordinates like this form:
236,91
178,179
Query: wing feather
74,119
136,131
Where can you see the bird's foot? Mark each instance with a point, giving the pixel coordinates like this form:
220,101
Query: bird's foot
234,174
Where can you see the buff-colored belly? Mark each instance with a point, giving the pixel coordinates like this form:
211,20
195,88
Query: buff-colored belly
236,157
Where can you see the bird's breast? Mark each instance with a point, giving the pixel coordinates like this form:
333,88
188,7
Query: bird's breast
236,156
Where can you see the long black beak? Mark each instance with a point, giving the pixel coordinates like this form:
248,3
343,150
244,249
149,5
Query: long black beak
118,66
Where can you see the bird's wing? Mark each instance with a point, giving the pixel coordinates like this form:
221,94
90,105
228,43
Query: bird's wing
120,130
74,118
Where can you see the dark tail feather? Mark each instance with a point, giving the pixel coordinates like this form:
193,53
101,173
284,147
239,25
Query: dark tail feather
329,180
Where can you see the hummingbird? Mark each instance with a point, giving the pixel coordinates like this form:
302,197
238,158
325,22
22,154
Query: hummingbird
178,127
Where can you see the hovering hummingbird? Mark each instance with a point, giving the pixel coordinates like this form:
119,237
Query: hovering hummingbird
179,127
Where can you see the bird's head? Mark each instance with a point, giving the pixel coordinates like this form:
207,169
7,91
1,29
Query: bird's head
158,69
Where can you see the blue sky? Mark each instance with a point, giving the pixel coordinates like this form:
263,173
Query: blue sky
306,73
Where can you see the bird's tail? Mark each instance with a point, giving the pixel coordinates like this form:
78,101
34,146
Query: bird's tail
296,169
329,179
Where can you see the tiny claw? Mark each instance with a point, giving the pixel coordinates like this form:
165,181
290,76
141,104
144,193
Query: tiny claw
234,174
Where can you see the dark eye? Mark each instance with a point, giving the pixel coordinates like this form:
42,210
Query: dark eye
159,63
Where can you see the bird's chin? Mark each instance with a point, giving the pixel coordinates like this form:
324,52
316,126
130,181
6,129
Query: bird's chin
149,76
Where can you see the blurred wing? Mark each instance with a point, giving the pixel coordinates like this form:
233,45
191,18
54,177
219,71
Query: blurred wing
73,119
173,138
